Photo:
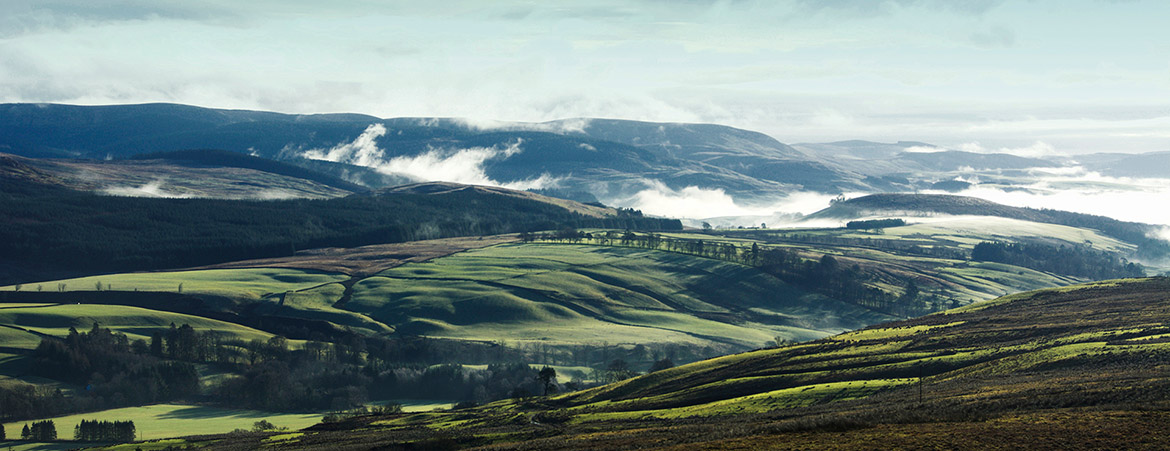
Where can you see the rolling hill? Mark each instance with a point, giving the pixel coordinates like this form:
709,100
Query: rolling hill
184,174
51,229
1083,364
462,306
920,205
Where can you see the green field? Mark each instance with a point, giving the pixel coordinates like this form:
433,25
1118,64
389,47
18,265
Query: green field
165,420
249,283
135,322
589,294
970,230
586,294
1092,356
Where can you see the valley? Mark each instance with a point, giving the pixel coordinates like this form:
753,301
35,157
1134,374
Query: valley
575,303
947,378
318,279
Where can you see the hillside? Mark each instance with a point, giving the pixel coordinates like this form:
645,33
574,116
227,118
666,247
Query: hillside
917,205
53,230
475,312
907,157
608,152
186,174
942,380
603,158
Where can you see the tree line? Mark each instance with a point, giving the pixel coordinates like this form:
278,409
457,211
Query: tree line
825,276
1077,261
272,375
104,431
85,431
872,224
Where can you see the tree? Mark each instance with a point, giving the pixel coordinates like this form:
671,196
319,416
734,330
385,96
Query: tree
911,293
156,344
3,435
664,364
706,226
263,425
25,433
617,370
43,431
548,377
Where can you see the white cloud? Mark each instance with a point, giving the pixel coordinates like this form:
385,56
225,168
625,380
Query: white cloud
1073,189
443,165
275,194
151,189
924,149
363,151
1066,171
1038,149
564,126
1161,233
693,202
911,74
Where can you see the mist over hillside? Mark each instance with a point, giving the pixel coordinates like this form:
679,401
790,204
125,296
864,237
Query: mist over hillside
692,171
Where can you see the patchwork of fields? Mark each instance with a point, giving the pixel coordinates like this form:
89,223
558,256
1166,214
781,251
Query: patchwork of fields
587,294
1043,363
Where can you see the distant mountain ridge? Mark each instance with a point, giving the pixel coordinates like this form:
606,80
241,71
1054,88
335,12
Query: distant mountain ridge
606,158
588,159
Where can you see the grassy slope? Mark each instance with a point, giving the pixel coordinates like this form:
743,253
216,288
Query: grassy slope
249,283
577,294
950,278
588,294
137,323
1048,328
549,293
161,420
177,179
1030,365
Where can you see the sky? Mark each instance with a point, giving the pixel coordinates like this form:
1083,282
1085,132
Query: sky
1068,76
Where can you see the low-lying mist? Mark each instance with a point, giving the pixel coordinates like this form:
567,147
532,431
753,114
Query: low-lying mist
462,165
1075,189
721,209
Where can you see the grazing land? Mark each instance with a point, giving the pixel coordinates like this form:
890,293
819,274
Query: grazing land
162,420
578,303
1082,364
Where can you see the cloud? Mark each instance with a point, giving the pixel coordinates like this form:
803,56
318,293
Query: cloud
693,202
563,126
275,194
1038,149
1074,189
151,189
997,37
434,165
1161,233
363,151
909,72
924,149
